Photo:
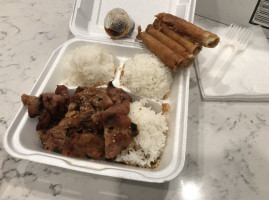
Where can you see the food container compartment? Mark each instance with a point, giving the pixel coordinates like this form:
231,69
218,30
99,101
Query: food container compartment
22,141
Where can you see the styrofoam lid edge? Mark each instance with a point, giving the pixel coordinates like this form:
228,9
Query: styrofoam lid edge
182,8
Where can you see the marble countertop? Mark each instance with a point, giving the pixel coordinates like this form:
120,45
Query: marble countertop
227,143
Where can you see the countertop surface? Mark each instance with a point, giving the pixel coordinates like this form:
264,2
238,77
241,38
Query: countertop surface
227,142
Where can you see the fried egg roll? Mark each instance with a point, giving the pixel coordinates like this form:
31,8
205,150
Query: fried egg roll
171,44
166,55
190,30
190,46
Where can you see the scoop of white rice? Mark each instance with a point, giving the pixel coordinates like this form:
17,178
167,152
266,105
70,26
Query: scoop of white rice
149,143
147,76
89,65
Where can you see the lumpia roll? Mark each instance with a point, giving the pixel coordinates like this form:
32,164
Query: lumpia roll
171,44
190,30
190,46
166,55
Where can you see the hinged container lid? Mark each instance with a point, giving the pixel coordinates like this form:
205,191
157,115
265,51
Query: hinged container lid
87,21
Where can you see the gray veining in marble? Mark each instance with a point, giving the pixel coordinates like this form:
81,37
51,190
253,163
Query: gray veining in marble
227,146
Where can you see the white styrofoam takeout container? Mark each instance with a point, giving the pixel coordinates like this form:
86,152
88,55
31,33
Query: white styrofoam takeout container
86,23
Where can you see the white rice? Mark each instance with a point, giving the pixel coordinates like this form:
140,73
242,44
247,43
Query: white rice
89,65
147,76
149,143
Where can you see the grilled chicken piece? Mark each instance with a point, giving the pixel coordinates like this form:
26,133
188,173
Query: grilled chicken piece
118,135
62,90
98,122
74,121
117,94
85,145
96,96
33,103
101,99
44,120
121,109
118,128
80,89
54,139
72,106
116,120
55,104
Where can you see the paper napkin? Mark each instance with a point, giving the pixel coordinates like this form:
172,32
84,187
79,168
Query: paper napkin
247,76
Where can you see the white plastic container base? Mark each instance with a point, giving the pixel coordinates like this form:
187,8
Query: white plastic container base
22,141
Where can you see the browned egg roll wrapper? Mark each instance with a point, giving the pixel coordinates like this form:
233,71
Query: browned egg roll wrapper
166,55
190,30
171,44
190,46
